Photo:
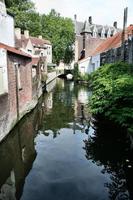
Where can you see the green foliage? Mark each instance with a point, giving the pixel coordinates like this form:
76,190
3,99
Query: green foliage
60,31
76,72
113,93
26,17
85,77
80,77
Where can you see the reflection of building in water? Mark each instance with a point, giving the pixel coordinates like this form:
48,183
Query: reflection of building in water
60,83
17,154
51,85
48,102
81,113
8,189
83,96
71,86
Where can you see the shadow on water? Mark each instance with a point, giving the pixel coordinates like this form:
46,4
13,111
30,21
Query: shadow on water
109,146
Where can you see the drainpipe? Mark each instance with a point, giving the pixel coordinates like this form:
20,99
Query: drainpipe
123,49
17,90
132,48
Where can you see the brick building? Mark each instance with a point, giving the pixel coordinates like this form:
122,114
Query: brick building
89,35
110,51
16,87
17,93
36,46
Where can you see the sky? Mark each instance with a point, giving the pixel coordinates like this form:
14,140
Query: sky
102,11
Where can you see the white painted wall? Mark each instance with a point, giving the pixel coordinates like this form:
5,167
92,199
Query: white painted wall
95,63
29,48
89,65
84,66
3,72
6,29
48,53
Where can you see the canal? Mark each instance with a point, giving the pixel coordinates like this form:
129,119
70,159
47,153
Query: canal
56,153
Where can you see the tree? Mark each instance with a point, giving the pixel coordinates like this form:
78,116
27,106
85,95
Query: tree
26,17
60,31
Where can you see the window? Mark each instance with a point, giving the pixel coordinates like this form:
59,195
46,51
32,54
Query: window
29,50
3,72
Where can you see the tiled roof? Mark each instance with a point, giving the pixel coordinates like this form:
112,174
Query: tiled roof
37,41
34,40
79,27
35,60
112,42
14,50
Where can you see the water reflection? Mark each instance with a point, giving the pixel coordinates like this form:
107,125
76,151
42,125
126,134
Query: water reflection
17,155
56,153
66,106
109,147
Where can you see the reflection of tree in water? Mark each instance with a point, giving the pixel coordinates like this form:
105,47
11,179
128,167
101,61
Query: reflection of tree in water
61,113
110,147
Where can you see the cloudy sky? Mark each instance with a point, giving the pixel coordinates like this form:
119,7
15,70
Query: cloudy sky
102,11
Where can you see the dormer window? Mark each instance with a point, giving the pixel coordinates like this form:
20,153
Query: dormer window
94,34
109,33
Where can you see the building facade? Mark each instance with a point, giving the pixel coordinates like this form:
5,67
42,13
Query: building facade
36,47
16,81
110,50
16,94
89,35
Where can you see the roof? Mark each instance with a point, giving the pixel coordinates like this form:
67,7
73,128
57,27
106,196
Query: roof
37,41
112,42
35,60
80,26
87,28
34,40
14,50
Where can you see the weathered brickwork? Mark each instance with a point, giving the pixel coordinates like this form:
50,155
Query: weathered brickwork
8,102
25,92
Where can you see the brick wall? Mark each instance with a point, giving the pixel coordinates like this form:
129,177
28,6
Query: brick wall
8,102
25,93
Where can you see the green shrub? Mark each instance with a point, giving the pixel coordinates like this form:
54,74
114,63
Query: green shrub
113,93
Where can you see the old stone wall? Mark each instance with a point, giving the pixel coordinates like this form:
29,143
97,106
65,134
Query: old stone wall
116,55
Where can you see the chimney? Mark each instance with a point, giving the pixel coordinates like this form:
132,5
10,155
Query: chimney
40,37
115,25
90,20
18,33
26,34
75,17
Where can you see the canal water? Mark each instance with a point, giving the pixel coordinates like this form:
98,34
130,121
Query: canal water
56,153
